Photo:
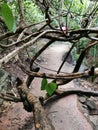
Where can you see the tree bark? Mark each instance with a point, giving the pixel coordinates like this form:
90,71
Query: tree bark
41,121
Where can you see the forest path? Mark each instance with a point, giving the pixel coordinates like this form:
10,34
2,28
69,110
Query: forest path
64,113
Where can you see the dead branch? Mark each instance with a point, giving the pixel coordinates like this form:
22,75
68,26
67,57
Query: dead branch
78,92
8,34
61,77
9,97
66,92
24,40
19,49
84,31
15,52
42,122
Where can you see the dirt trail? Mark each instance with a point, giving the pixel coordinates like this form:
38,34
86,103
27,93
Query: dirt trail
64,112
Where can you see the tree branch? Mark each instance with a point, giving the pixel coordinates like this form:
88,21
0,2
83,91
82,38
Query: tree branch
61,77
59,94
9,97
42,122
21,10
19,49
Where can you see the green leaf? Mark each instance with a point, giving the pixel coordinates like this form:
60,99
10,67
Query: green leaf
44,83
81,1
50,88
7,15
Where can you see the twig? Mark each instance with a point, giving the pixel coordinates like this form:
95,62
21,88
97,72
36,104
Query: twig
24,40
38,64
9,97
8,34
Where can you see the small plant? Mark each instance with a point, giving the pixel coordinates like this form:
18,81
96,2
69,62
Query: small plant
49,87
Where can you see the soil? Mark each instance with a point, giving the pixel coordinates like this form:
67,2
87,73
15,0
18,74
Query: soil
66,113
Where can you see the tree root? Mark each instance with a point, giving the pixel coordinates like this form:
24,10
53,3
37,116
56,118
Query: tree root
41,121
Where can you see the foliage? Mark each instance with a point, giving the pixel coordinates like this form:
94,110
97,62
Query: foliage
7,15
32,12
49,87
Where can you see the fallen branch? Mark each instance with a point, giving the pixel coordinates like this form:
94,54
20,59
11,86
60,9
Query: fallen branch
88,93
41,121
61,77
60,93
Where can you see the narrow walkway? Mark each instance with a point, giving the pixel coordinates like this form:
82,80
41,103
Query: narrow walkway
64,112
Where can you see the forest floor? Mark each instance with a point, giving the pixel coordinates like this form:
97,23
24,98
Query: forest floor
68,113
